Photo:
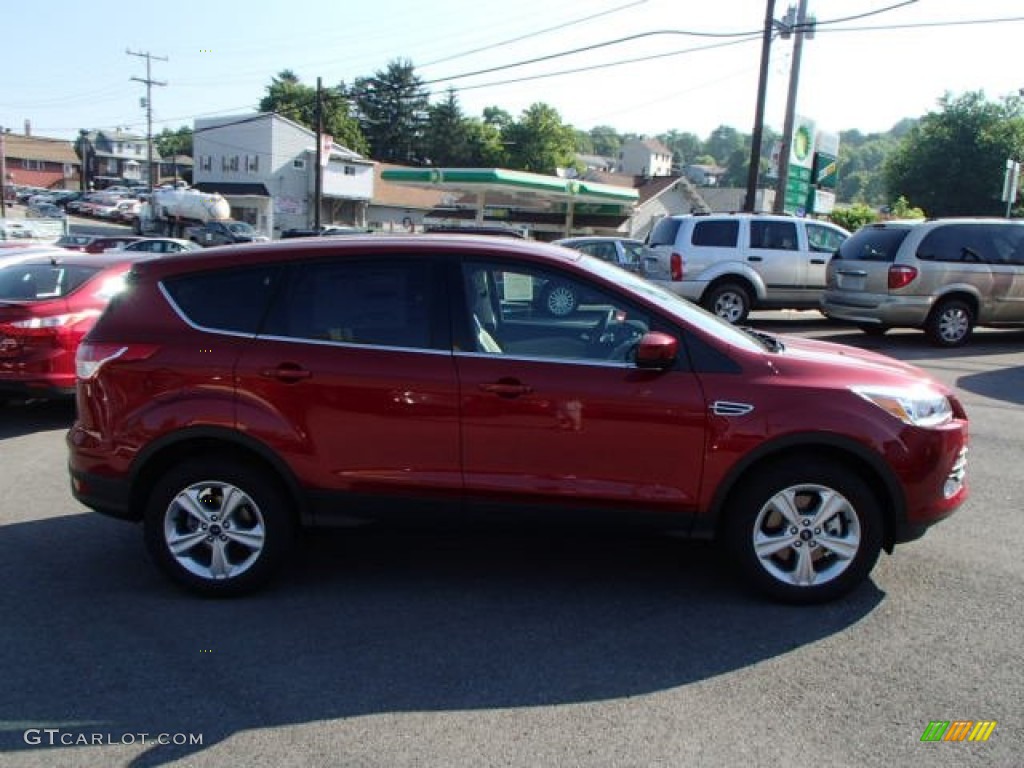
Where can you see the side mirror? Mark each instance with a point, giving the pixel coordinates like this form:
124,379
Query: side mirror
657,350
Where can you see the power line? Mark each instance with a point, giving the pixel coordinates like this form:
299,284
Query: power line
529,35
605,65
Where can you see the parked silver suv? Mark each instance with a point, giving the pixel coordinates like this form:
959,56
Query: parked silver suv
732,263
944,276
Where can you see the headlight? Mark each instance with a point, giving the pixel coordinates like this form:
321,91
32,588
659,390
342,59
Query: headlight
918,407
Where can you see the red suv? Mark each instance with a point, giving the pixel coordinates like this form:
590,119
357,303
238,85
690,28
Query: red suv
47,304
229,397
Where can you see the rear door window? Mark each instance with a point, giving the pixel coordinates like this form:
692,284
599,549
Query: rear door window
392,304
973,244
720,234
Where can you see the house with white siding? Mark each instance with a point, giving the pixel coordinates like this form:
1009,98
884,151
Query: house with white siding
264,165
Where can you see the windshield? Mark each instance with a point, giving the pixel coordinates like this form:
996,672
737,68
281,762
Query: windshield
241,228
678,307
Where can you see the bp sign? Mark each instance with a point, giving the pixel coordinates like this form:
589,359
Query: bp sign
801,164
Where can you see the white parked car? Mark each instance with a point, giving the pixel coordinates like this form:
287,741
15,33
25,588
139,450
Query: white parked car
157,245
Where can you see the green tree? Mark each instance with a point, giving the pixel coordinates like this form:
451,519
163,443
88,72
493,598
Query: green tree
722,142
951,162
177,142
606,141
539,141
686,147
290,98
447,141
393,111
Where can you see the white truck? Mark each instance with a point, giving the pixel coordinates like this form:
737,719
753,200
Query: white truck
202,217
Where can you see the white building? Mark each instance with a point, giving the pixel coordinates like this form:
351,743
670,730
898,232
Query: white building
264,165
645,157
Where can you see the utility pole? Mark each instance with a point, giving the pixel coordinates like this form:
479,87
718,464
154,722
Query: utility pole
3,175
762,87
319,177
787,130
150,82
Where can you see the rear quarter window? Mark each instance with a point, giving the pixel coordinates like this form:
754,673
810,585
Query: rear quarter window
231,300
873,244
664,232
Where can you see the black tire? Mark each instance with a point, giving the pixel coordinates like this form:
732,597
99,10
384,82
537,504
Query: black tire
729,301
559,299
853,531
950,323
252,539
874,330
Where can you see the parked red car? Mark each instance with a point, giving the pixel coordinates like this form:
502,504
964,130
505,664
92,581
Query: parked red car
47,304
230,397
95,243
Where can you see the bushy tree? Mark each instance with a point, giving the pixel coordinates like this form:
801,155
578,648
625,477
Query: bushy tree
177,142
289,97
539,141
853,217
393,109
951,162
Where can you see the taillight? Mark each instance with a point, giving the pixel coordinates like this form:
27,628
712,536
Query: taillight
45,322
91,356
676,265
901,276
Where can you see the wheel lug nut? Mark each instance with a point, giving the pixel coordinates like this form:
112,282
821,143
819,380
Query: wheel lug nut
214,518
209,538
796,544
812,543
223,537
817,531
203,526
792,530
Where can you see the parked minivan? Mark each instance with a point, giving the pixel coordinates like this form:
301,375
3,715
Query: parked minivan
732,263
945,276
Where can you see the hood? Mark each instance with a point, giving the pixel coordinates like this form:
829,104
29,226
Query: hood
828,362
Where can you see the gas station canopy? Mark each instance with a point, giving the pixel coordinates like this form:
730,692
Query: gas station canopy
543,199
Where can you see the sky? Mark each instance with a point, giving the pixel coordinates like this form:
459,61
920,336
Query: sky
69,68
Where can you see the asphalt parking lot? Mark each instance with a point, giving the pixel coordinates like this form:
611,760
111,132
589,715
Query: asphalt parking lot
474,650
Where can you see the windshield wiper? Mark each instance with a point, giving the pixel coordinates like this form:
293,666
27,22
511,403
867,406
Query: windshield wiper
770,342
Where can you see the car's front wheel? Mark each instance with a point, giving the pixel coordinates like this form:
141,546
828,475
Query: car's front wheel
805,530
217,527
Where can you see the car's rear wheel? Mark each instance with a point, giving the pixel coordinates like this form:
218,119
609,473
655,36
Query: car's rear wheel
950,323
559,300
217,527
805,531
730,301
